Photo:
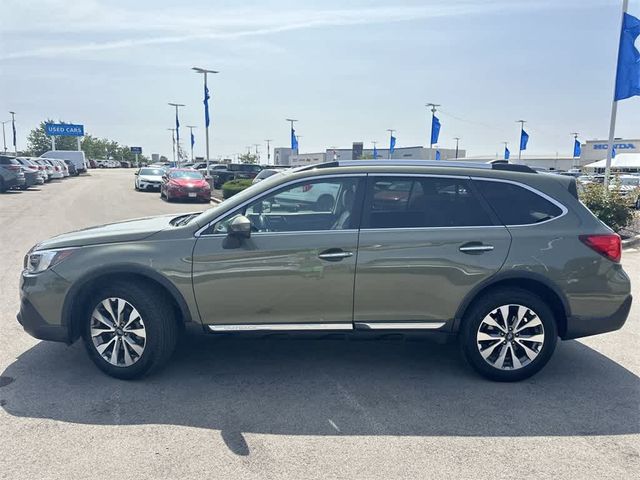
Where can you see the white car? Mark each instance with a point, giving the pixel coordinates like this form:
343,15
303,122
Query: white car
629,187
57,171
149,178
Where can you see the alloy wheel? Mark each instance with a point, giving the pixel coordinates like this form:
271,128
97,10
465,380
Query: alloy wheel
510,337
118,332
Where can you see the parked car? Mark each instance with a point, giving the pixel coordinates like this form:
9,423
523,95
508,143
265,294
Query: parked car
40,175
57,171
499,257
629,187
268,172
148,178
186,184
92,163
72,168
11,174
77,157
224,172
48,168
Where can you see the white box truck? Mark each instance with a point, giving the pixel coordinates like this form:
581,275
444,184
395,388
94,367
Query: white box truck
74,156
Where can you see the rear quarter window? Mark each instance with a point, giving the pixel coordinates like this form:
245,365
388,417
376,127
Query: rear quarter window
517,205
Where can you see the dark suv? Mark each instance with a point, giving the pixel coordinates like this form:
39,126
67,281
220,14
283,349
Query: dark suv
502,257
224,172
11,174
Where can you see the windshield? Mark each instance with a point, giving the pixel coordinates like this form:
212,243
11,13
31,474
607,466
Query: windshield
629,181
151,171
193,174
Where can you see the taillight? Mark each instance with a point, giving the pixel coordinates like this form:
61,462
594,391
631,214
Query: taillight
57,168
608,245
14,168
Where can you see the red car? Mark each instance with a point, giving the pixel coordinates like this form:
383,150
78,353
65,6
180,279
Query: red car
185,184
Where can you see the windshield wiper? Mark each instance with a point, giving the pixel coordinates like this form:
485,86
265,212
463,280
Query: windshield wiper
183,219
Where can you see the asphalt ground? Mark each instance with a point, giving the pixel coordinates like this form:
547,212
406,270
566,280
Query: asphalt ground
291,408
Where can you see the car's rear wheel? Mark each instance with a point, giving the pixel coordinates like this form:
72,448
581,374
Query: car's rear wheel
129,329
509,334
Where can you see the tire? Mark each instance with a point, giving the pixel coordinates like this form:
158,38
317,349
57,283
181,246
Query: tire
135,185
144,345
638,203
2,187
522,357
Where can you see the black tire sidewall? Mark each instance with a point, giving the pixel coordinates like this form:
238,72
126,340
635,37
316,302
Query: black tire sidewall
157,317
490,302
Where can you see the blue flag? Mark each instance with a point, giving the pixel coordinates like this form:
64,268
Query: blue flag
628,71
613,152
13,125
392,144
177,128
435,129
524,139
437,154
375,152
193,140
294,140
206,106
576,148
507,153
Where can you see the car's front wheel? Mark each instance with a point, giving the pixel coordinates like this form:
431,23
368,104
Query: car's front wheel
129,329
509,334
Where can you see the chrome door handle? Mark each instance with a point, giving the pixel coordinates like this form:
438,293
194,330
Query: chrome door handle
334,255
476,248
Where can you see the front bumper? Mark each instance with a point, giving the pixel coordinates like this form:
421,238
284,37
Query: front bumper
149,185
202,195
41,301
583,326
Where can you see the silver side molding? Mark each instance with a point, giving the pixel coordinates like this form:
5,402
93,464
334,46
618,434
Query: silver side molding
398,325
266,327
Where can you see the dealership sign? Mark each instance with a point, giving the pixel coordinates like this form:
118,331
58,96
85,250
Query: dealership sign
64,130
136,150
617,146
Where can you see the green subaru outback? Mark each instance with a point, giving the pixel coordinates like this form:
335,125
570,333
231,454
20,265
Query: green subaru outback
502,257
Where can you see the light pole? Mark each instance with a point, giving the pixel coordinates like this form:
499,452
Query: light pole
257,153
433,114
191,127
4,138
521,122
457,139
173,142
204,71
177,105
268,140
390,130
291,121
575,139
13,125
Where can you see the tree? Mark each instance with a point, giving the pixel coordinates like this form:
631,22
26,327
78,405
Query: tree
248,158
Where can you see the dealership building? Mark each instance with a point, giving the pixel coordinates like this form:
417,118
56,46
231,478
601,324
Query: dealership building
286,156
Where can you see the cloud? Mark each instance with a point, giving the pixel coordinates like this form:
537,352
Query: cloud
155,27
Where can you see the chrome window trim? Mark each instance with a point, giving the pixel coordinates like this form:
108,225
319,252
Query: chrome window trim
199,233
555,202
257,327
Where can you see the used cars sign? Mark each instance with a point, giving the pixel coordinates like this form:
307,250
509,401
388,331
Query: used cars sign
64,130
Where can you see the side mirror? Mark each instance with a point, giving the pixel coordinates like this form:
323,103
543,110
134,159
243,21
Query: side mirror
164,178
136,173
240,227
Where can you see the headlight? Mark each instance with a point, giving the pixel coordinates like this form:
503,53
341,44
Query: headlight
39,261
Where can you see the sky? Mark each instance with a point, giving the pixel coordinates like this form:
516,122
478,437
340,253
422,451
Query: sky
347,70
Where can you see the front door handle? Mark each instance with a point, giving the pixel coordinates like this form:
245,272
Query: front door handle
475,247
334,255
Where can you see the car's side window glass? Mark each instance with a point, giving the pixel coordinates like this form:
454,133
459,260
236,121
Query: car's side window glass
305,206
413,202
516,205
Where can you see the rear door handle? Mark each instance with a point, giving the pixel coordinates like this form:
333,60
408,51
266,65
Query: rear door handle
475,247
334,255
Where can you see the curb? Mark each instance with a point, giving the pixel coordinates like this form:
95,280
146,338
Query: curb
631,242
215,200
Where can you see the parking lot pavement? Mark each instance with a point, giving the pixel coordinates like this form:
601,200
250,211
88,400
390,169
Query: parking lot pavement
282,408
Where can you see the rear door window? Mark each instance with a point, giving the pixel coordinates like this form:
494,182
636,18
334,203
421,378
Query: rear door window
414,202
517,205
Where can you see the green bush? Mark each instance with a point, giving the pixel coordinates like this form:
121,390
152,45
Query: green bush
609,206
230,188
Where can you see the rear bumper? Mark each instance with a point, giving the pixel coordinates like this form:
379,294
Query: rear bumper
582,326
